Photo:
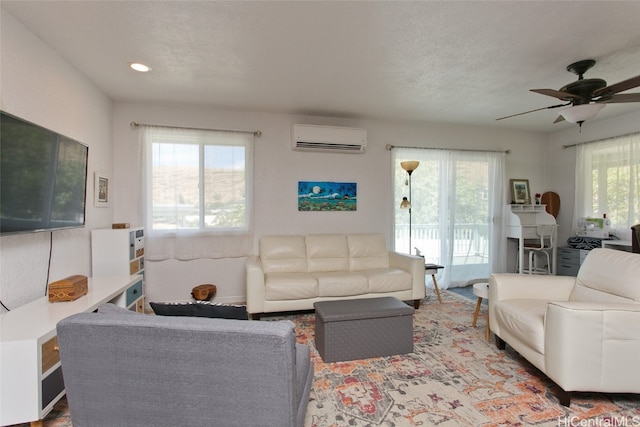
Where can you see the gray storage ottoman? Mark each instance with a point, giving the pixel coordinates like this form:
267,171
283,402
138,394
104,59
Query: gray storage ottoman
363,328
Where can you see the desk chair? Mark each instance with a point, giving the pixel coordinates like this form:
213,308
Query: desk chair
547,236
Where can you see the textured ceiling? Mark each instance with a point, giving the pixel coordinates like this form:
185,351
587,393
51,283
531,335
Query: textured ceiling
454,62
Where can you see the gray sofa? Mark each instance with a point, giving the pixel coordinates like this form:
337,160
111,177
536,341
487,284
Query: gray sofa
127,369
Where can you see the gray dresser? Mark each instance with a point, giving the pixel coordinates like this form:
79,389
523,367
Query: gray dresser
570,260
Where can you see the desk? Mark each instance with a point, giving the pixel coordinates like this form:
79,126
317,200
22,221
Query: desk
522,222
432,269
620,245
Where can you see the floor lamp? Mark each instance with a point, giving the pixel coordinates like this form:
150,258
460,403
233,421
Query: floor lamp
409,167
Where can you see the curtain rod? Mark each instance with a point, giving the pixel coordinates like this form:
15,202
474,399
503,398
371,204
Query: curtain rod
254,132
391,147
601,139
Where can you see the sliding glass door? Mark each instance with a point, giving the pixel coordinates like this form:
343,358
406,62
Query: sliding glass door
456,199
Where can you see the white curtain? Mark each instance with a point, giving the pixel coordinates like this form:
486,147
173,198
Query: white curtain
189,244
457,200
608,182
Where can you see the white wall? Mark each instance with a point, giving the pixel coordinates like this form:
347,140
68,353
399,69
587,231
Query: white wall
278,169
38,85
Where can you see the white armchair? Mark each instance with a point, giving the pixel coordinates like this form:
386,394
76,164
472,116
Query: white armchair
582,332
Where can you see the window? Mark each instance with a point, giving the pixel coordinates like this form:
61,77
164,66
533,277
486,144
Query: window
608,181
455,197
198,181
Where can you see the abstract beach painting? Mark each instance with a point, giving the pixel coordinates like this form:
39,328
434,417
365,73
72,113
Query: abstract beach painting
327,196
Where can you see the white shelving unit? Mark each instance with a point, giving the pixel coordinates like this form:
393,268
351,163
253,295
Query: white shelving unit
115,252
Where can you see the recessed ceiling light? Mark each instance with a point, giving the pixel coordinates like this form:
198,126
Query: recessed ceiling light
139,67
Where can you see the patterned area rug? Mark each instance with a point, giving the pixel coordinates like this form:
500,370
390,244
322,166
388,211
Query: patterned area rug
454,377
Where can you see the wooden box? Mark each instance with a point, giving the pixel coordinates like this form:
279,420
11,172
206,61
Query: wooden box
69,289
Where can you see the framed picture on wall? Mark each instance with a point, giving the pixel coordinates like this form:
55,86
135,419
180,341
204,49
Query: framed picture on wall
101,187
327,196
520,191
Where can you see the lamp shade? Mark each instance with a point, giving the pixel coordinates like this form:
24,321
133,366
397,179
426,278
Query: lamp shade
405,204
580,113
410,165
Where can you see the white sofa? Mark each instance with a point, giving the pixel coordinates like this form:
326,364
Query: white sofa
582,332
292,272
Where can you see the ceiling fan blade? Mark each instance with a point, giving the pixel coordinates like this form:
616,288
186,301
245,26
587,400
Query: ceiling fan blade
565,96
619,98
559,119
618,87
537,109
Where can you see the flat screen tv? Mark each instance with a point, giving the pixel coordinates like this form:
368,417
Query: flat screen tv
43,178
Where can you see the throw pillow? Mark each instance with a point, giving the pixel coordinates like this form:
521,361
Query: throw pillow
201,309
588,243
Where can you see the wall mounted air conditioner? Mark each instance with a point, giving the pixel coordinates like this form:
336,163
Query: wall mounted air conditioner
328,138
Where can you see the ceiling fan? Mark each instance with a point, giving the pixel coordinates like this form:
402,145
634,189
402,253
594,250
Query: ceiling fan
586,97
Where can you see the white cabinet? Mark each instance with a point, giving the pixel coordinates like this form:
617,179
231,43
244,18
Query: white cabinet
115,252
30,372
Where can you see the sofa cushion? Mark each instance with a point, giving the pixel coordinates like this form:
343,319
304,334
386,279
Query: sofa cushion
200,309
283,254
111,308
389,280
524,319
607,275
341,283
327,252
289,286
367,252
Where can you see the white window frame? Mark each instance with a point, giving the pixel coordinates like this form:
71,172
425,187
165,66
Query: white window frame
601,157
448,159
201,138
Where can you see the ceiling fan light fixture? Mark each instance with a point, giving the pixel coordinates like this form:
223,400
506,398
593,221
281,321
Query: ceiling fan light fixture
581,113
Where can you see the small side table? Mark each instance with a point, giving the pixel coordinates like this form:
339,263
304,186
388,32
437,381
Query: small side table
432,269
481,290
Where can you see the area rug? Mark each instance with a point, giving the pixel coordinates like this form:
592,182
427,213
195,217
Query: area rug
454,377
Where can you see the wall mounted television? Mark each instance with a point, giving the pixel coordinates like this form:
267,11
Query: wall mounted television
43,178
